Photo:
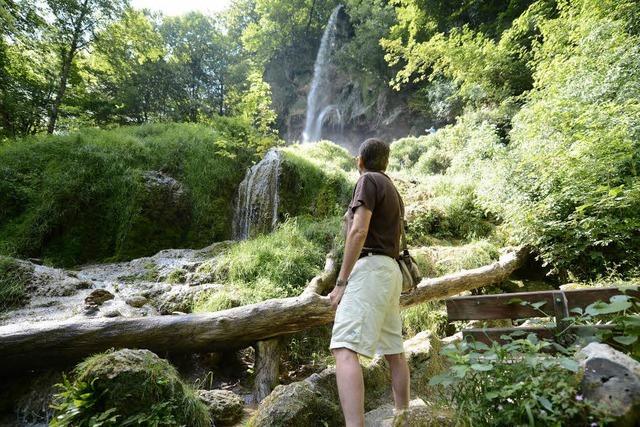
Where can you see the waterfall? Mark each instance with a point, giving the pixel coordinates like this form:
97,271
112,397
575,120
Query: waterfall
257,200
313,122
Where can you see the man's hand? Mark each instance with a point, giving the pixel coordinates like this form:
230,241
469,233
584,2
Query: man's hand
336,295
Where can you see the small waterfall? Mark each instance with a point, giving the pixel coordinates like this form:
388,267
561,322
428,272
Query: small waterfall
257,199
313,122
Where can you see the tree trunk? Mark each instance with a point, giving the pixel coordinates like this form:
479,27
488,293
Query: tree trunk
67,60
267,368
39,344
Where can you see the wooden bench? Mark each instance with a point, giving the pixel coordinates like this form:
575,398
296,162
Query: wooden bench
555,304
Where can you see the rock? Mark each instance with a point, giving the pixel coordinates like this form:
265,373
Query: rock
136,301
419,414
612,380
224,406
112,313
161,219
297,404
180,298
136,385
98,297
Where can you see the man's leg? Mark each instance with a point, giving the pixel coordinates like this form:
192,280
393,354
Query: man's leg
350,386
399,379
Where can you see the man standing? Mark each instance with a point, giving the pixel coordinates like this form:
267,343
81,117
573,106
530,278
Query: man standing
367,292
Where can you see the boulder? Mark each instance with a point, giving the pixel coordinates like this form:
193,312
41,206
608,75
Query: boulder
133,386
298,404
180,298
161,219
136,301
98,297
612,380
417,415
224,406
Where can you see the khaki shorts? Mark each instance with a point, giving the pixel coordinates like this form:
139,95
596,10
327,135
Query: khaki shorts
368,316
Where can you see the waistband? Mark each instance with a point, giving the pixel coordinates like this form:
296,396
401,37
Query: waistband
370,252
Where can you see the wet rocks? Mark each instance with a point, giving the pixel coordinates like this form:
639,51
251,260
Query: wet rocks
136,301
98,297
611,379
181,298
224,406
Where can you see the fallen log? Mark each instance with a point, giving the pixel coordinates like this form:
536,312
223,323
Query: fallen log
39,344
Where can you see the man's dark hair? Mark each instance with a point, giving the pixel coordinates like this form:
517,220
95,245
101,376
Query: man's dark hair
374,154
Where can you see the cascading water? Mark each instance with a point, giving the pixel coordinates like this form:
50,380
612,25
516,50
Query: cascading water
257,199
315,103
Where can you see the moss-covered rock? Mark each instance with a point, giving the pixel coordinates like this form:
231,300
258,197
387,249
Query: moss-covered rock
315,182
224,406
127,387
298,404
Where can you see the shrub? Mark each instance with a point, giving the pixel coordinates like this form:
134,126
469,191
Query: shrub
14,278
514,384
127,387
77,198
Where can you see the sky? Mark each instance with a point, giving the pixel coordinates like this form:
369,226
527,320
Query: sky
179,7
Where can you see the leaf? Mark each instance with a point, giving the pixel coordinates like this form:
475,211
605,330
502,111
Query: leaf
514,301
625,339
538,304
546,403
481,367
615,306
569,364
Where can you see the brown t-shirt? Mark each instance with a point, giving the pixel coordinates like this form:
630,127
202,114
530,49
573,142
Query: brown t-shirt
376,191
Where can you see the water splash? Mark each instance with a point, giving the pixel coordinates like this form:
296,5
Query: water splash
257,199
319,85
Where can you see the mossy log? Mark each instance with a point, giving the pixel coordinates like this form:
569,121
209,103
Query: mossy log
40,344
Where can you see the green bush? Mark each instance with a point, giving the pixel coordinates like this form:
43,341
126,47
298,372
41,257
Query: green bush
14,279
127,387
514,384
82,197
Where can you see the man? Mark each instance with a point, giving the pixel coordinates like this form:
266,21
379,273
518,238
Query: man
367,292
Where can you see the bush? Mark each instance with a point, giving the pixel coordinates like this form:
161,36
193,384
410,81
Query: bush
79,197
514,384
14,278
127,387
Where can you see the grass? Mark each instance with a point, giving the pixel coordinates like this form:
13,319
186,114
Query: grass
14,279
82,197
275,265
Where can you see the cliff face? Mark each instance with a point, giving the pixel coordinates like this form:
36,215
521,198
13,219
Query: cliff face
355,102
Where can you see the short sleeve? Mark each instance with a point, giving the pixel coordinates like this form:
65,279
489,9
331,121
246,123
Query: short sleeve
365,194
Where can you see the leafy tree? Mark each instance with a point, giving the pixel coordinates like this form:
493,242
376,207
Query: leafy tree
73,29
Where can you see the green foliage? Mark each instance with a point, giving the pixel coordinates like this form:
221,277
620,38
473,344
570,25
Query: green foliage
314,180
568,185
515,384
14,279
127,387
215,301
82,197
275,265
621,314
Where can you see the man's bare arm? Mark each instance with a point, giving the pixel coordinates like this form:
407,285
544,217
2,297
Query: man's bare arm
352,248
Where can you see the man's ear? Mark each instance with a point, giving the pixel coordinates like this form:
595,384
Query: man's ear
360,163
